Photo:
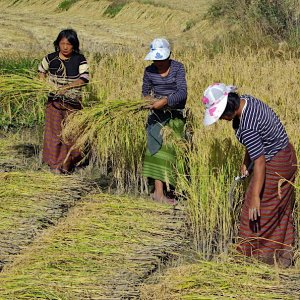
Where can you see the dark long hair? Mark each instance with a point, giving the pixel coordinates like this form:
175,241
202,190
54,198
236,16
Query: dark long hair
71,36
233,103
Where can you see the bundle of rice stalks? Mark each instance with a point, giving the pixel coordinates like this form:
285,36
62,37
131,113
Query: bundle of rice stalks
22,99
112,134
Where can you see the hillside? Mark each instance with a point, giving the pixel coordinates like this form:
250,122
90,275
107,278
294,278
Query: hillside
32,25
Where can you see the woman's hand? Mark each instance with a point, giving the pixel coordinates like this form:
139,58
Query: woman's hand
254,214
62,91
154,103
254,208
258,178
244,170
158,104
245,165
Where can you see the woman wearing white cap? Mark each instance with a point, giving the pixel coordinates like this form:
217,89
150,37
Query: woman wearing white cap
266,221
164,84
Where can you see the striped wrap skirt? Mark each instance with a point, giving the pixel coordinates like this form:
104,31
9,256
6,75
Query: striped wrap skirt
55,151
162,165
273,243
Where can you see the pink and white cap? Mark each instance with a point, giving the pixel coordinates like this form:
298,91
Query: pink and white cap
215,101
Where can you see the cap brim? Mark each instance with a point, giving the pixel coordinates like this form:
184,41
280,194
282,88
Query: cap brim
210,118
158,54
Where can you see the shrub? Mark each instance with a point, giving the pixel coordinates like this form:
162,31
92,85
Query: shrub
254,20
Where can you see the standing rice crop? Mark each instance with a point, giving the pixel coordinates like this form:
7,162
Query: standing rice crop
213,156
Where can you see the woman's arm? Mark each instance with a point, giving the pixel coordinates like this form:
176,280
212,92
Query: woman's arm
179,97
245,164
146,92
147,85
259,173
77,83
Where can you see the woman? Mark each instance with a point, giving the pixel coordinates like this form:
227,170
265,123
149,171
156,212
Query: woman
164,85
67,71
266,221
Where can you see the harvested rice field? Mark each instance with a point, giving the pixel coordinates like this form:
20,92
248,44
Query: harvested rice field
223,278
96,234
103,249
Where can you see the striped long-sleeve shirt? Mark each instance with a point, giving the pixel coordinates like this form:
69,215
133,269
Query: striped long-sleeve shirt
61,72
260,130
173,86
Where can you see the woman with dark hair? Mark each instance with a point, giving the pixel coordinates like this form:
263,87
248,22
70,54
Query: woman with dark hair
164,85
266,220
67,70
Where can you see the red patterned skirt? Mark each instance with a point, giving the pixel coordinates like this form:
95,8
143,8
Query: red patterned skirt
273,243
55,151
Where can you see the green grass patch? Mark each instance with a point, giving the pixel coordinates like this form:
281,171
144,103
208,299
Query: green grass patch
66,4
18,65
260,23
189,25
114,8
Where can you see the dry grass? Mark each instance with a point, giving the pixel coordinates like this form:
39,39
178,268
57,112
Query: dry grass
31,202
223,278
102,249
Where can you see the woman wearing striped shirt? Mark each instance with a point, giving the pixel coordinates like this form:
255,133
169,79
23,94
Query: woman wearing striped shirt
67,70
164,86
266,221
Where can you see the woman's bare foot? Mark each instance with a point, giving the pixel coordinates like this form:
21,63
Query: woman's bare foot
163,199
56,171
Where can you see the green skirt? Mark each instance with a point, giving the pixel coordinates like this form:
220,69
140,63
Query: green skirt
162,165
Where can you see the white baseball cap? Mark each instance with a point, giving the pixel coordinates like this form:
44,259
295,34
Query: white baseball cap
159,50
215,100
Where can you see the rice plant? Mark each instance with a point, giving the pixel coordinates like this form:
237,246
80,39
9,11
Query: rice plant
112,132
112,135
22,98
213,156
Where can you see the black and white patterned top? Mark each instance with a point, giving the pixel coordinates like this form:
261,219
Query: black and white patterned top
260,130
61,72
